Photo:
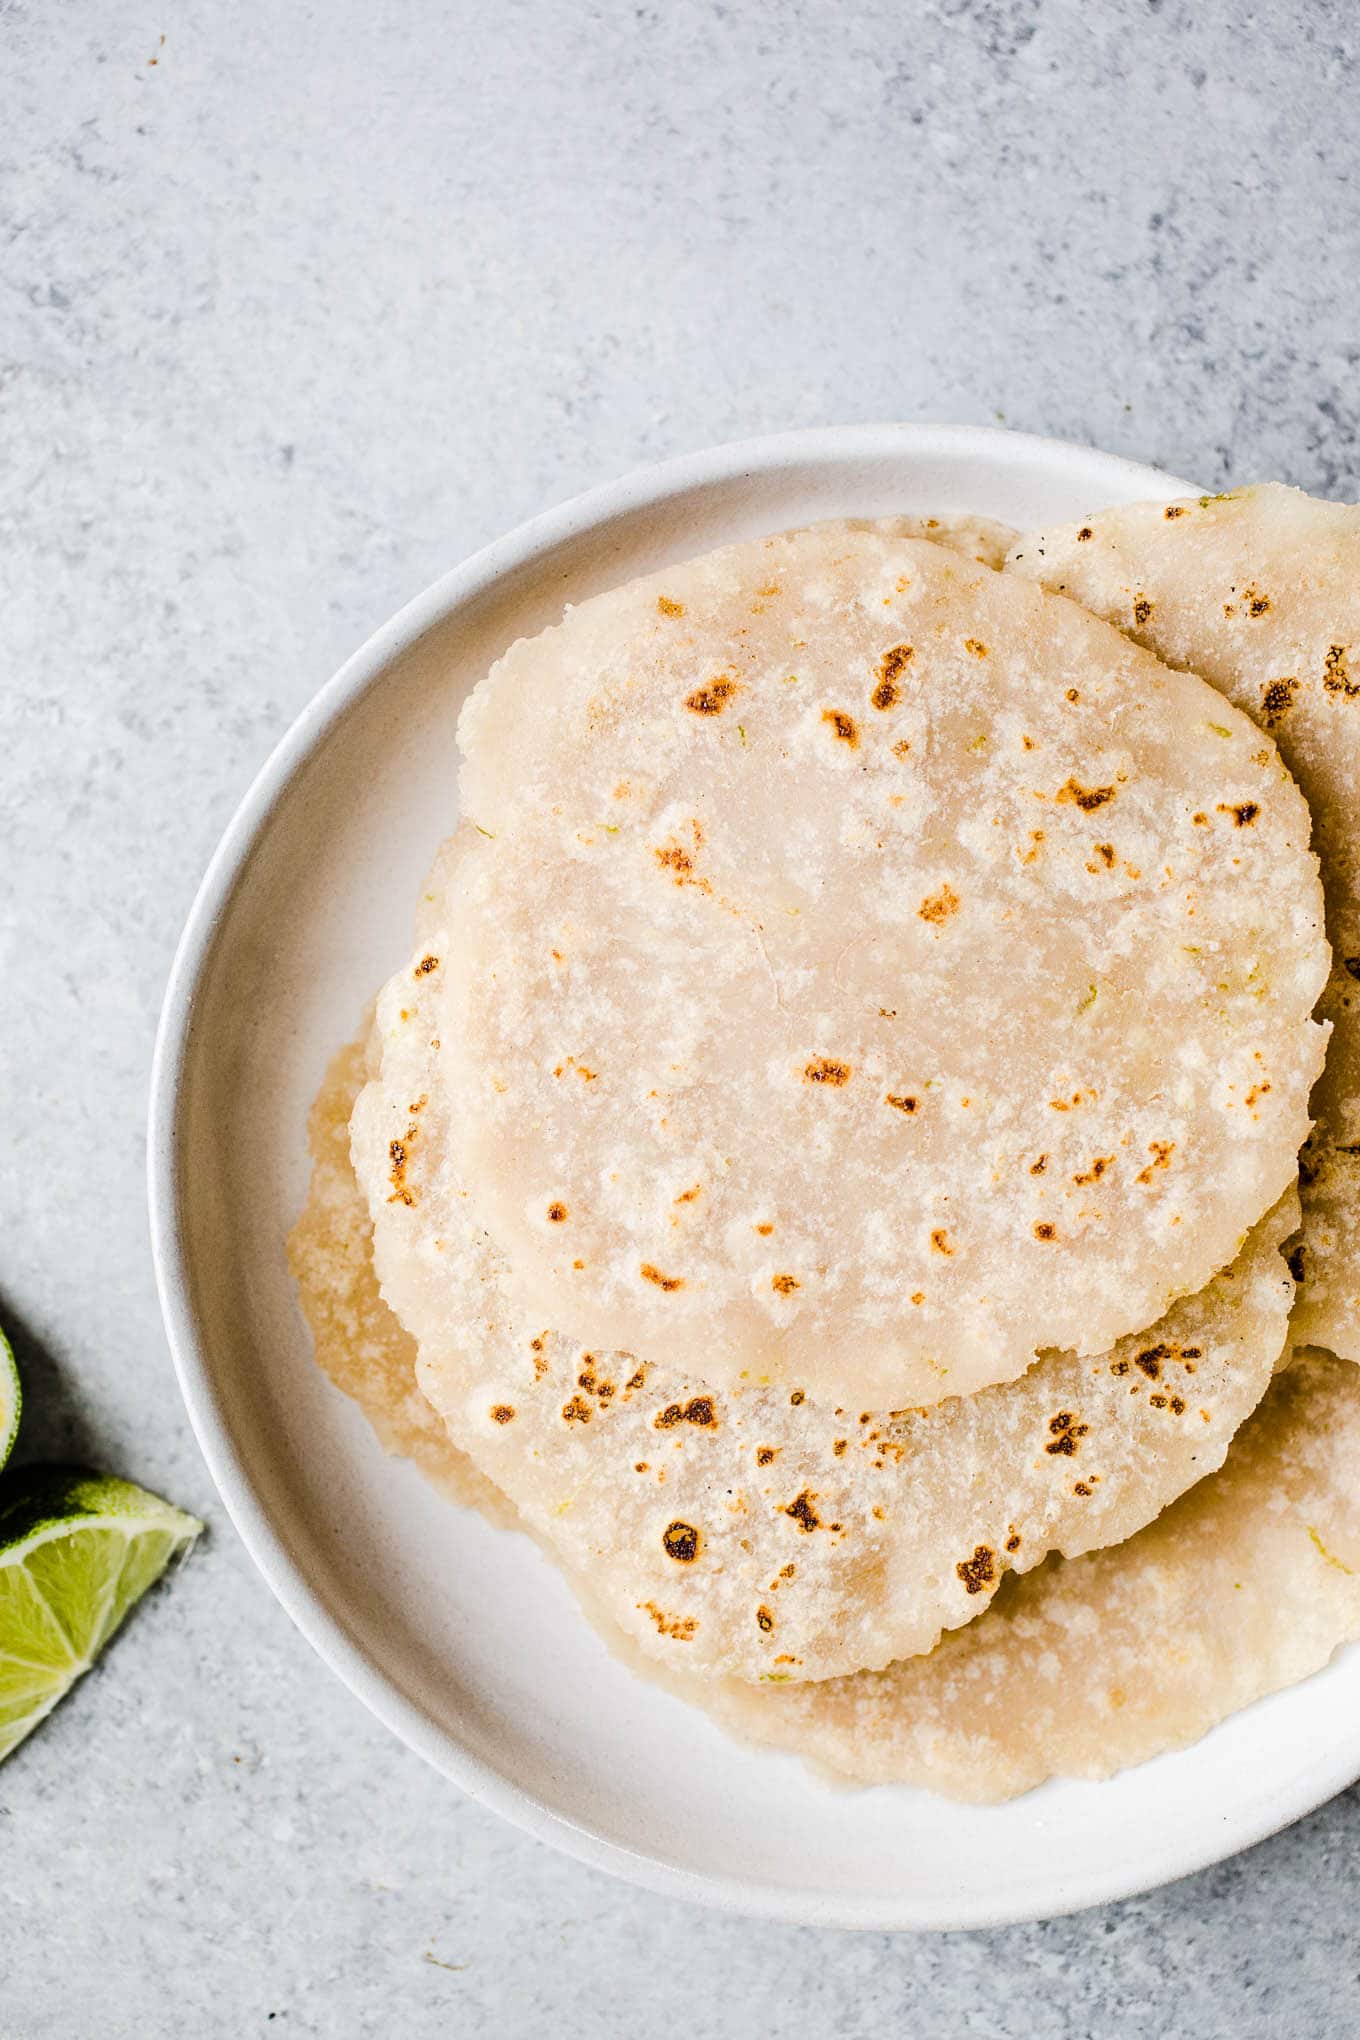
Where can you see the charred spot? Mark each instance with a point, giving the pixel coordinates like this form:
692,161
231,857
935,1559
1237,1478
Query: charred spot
978,1572
1085,533
798,1396
1243,812
784,1285
803,1513
502,1413
824,1069
1045,1231
1105,852
713,697
1064,1431
891,667
1174,510
681,1542
937,907
939,1240
1142,609
658,1280
1120,1367
557,1214
900,1102
688,1196
1087,798
1013,1541
976,647
1037,1168
843,726
1096,1170
1149,1361
764,1619
577,1411
698,1410
1277,698
765,1454
1296,1261
1161,1152
425,966
1072,694
1080,1487
669,608
1257,603
1336,672
673,858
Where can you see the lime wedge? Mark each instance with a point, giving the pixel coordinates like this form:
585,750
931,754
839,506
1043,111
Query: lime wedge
76,1552
11,1398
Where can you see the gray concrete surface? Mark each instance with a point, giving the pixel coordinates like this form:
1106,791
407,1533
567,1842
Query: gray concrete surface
297,305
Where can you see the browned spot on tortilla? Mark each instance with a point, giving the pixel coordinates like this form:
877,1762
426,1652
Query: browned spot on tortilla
900,1102
1244,812
669,608
680,1627
713,697
1161,1152
891,667
698,1410
1105,852
1277,698
1045,1231
502,1413
978,1572
1257,603
1142,609
939,1240
577,1411
976,647
557,1213
784,1285
1037,1168
1097,1169
1256,1091
1085,533
937,907
425,966
1064,1431
803,1513
797,1397
1336,673
1297,1263
1174,510
688,1196
1072,694
1013,1541
655,1276
845,726
765,1230
764,1619
826,1070
681,1542
765,1454
1086,797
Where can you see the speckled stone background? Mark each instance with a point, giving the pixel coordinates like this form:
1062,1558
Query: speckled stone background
298,304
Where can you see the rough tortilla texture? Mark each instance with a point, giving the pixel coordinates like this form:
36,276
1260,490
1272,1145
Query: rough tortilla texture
1259,591
1249,1583
753,1531
861,970
1080,1668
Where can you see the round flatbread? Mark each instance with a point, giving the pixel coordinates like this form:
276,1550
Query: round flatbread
861,971
751,1531
1259,591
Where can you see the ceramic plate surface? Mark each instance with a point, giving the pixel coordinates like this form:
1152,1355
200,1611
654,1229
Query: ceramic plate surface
462,1638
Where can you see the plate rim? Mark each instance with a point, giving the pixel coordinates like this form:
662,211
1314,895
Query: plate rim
634,491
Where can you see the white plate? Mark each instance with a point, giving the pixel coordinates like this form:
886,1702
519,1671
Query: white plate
462,1638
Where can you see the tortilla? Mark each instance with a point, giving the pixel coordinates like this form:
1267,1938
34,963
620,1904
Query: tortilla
1080,1668
862,971
1259,591
1249,1583
751,1531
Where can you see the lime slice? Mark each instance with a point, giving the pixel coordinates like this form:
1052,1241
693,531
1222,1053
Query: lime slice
11,1398
76,1552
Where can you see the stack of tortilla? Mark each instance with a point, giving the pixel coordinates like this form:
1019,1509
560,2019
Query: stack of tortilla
862,1162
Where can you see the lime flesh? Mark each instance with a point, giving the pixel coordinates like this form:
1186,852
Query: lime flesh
77,1551
11,1398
